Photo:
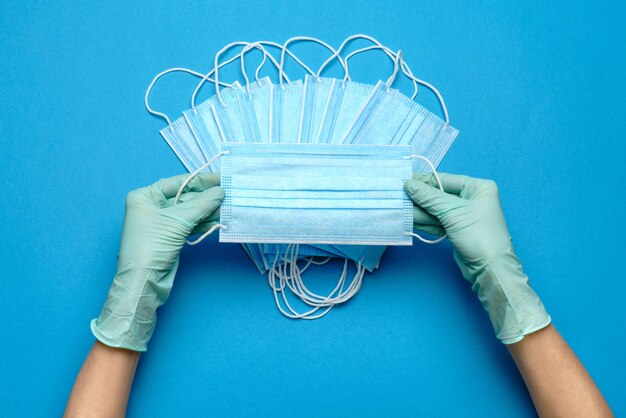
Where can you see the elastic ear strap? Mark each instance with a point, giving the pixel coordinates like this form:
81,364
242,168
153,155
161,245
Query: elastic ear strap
432,88
343,45
310,39
258,45
186,182
281,70
393,56
206,76
408,72
289,275
216,67
161,74
440,184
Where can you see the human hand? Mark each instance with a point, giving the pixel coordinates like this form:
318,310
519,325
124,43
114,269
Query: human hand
468,211
154,232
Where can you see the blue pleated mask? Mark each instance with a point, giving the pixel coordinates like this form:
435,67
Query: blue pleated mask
204,127
286,105
316,194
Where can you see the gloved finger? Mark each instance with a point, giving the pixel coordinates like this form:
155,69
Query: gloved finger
431,229
185,197
202,227
430,198
199,207
422,217
211,218
452,183
169,187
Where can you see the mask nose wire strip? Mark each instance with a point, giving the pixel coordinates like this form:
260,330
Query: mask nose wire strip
186,182
440,184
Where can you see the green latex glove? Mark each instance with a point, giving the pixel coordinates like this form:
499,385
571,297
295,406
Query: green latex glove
469,211
154,232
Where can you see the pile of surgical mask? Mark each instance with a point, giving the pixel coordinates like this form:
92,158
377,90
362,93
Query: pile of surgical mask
313,110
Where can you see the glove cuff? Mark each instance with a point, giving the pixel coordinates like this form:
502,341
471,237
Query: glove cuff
514,308
103,334
128,317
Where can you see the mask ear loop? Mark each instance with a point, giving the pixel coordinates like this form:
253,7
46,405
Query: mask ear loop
316,76
317,41
432,88
266,55
157,77
440,184
394,57
337,53
206,77
397,63
336,296
289,274
408,73
281,272
281,70
186,182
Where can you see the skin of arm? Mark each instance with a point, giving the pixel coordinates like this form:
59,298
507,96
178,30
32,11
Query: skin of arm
557,381
103,383
468,210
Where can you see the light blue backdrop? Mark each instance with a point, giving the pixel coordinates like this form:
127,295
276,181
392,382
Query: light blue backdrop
537,91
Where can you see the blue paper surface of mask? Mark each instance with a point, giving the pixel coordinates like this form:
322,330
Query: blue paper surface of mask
390,117
181,140
316,194
204,127
304,251
386,113
261,92
316,96
346,100
286,109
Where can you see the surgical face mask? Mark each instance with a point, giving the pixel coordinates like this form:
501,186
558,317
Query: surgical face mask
343,106
261,93
304,251
382,118
205,128
316,194
316,97
366,255
178,134
286,107
429,136
180,138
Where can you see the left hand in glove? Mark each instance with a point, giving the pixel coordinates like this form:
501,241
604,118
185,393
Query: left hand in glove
154,232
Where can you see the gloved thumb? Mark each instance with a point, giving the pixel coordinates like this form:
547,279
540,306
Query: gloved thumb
433,200
203,204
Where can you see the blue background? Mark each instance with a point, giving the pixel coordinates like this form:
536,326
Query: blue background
537,91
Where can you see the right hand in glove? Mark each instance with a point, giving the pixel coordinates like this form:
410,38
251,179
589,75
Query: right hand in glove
468,211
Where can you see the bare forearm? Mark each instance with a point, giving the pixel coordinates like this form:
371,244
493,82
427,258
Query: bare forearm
556,379
103,383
